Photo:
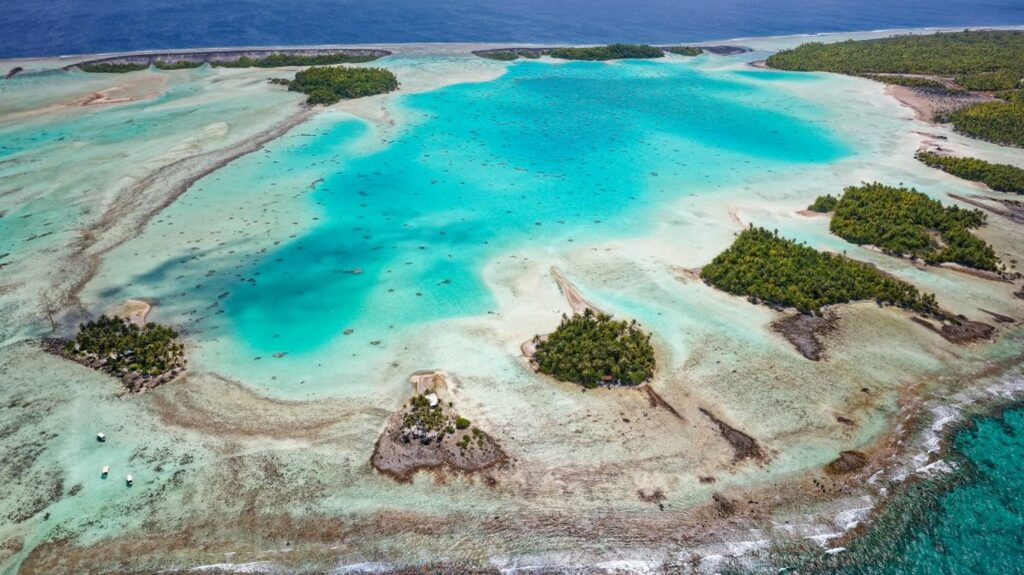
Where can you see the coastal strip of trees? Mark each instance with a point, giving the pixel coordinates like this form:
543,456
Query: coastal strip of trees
976,61
331,84
609,52
195,60
592,53
779,272
1000,122
999,177
905,222
946,53
593,349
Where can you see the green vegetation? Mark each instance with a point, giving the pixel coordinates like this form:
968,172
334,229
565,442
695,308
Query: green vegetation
685,50
120,347
999,177
592,348
103,68
281,60
904,221
328,85
986,60
779,272
609,52
428,424
424,417
910,81
824,204
271,61
999,122
1010,95
948,53
991,81
500,55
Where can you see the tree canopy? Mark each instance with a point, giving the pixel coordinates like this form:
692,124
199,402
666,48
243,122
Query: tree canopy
329,84
593,349
122,346
609,52
779,272
946,53
999,177
903,221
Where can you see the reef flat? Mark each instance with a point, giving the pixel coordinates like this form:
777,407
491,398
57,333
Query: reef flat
313,257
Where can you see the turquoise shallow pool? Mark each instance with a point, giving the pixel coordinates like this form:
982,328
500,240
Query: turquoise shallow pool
546,154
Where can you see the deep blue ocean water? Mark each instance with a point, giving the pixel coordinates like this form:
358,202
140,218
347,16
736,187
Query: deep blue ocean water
54,27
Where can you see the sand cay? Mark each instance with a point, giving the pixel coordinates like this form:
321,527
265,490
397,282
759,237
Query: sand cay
469,200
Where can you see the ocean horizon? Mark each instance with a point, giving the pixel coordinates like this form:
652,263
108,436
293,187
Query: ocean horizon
65,27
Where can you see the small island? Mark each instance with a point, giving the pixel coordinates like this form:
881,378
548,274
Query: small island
141,357
779,272
906,223
782,273
330,84
998,177
427,433
592,349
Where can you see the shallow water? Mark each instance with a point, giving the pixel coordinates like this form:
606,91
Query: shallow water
406,218
619,174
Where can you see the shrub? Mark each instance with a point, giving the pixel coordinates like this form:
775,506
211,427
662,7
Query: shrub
824,204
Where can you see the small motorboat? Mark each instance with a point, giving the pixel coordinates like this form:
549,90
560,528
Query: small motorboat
105,471
101,437
129,480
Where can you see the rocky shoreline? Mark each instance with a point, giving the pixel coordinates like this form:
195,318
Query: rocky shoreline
428,434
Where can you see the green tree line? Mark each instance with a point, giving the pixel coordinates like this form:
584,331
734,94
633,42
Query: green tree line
903,221
593,349
999,177
779,272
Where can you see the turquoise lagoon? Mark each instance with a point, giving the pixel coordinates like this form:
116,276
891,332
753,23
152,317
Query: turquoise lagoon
403,230
400,220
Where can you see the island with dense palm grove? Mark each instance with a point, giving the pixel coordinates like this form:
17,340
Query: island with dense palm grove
779,272
593,349
998,177
905,222
141,357
331,84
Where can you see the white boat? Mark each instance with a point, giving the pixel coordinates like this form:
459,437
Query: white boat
105,471
101,437
129,480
